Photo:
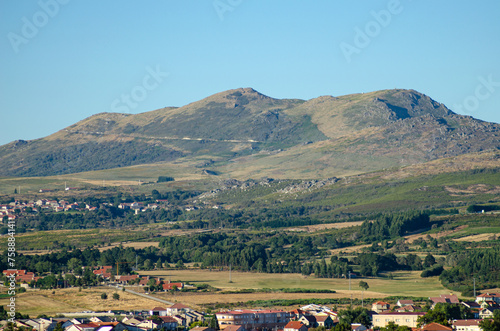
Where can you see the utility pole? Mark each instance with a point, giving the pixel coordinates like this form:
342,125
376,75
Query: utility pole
230,274
349,280
474,278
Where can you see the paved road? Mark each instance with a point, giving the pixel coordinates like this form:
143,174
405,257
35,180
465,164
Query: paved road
144,295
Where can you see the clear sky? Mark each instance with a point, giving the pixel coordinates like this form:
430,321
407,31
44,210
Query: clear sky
64,60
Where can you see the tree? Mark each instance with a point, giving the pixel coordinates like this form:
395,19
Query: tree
104,296
214,324
116,296
491,324
59,327
74,264
429,261
364,286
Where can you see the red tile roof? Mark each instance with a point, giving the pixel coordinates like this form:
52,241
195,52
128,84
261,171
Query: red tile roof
436,327
294,325
178,306
168,319
467,322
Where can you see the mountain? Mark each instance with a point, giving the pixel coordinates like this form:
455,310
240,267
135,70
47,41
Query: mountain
250,135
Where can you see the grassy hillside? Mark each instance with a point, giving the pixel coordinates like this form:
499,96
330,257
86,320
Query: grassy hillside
250,134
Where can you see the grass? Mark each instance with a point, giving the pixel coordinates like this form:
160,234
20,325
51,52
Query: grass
403,283
35,302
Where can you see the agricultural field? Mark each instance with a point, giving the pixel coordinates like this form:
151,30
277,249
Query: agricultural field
404,283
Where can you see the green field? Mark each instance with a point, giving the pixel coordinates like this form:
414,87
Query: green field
403,283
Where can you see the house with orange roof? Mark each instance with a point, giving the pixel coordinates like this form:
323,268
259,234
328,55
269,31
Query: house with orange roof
125,278
380,306
488,297
295,326
435,327
444,298
233,328
170,286
405,308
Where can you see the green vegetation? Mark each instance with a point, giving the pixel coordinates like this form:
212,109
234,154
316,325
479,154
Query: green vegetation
163,179
483,264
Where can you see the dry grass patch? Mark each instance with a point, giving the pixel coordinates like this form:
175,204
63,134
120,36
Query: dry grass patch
199,299
321,227
477,237
133,244
35,302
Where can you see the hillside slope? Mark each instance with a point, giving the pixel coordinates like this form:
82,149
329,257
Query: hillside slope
258,135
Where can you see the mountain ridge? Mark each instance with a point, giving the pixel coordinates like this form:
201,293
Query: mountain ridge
392,127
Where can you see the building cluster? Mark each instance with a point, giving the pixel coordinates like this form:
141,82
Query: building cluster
26,279
404,313
169,318
22,277
382,314
18,208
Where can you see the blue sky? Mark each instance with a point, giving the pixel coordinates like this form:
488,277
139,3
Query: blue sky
64,60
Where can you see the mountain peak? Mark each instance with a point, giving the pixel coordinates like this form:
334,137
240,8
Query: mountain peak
327,133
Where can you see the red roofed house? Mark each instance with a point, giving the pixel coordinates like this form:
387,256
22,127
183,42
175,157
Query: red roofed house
83,327
409,308
435,327
488,297
380,306
295,326
254,319
17,272
144,281
234,328
103,272
26,278
126,279
467,325
444,298
170,286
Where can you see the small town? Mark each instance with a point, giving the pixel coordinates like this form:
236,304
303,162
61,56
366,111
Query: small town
402,314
